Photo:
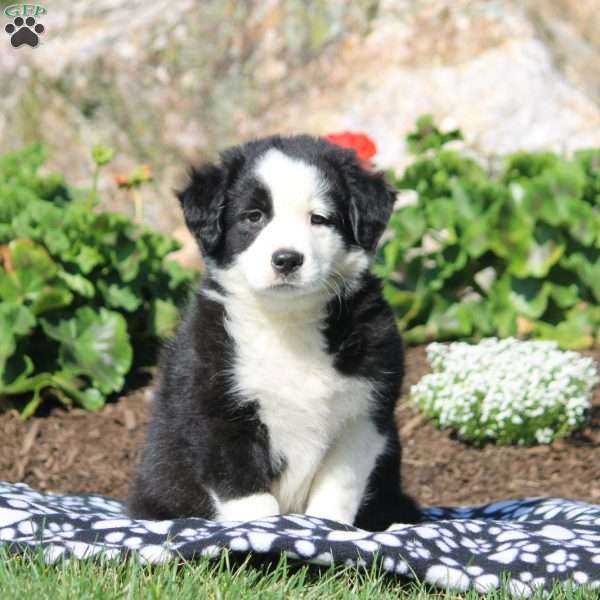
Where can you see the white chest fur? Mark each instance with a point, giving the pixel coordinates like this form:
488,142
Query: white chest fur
282,363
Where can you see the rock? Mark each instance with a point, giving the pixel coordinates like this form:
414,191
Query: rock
166,84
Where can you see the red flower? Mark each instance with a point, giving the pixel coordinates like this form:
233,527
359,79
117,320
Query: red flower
121,180
139,176
361,143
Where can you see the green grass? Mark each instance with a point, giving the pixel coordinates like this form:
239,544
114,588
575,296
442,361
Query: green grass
27,577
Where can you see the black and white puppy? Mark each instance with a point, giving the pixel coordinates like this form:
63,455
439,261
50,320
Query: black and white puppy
277,394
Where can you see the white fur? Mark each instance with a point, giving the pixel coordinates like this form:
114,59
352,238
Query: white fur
291,182
214,295
342,479
305,402
256,506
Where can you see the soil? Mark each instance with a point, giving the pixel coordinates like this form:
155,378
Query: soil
75,451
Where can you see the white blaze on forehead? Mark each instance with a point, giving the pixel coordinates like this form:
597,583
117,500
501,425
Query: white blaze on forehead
294,185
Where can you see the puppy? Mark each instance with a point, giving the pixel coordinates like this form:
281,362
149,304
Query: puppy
277,394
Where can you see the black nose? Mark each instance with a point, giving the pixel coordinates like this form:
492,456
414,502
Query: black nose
286,261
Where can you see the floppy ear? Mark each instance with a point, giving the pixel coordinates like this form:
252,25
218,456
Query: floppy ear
371,203
203,200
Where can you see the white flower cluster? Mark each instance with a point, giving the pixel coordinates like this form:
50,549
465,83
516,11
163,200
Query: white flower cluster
511,391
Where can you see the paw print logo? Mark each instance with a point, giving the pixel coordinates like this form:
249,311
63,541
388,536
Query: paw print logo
560,561
416,549
24,31
476,545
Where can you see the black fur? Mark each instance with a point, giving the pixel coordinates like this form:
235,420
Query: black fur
361,334
200,434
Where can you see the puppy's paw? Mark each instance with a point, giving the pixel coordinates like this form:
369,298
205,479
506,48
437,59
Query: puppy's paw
332,511
247,508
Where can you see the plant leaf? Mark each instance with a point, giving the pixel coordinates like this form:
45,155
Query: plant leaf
78,283
164,317
95,344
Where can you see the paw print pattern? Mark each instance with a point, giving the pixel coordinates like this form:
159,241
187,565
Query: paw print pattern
24,31
537,541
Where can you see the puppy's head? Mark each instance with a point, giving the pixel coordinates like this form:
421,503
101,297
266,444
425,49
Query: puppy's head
286,217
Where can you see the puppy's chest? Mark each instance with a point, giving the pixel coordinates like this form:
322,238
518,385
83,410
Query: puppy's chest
290,373
302,399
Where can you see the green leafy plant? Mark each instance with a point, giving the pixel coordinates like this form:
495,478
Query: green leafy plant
517,253
508,391
102,156
85,295
427,136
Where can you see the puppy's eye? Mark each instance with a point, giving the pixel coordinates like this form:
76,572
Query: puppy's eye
319,220
253,216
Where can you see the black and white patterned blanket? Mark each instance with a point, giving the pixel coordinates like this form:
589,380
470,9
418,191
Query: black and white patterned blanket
536,541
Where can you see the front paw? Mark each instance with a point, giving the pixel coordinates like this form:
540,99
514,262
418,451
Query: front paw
247,508
331,511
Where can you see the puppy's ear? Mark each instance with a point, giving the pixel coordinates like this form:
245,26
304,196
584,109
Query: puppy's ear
203,202
371,203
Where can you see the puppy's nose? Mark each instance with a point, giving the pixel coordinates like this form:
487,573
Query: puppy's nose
286,261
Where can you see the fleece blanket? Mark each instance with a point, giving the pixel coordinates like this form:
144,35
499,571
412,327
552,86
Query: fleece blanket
535,542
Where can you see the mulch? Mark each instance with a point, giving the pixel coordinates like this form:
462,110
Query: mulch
75,451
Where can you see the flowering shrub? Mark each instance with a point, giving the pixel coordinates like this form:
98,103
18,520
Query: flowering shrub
509,391
361,143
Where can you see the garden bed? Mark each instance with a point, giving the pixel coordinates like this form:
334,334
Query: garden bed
78,451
